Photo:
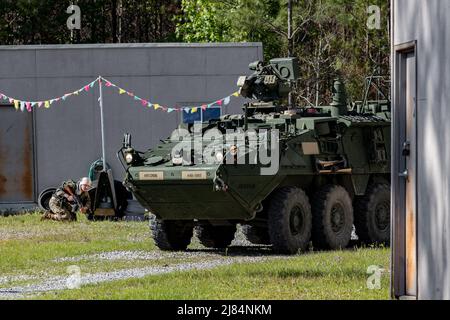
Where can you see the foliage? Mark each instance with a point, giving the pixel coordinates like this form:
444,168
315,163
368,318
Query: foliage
102,21
200,22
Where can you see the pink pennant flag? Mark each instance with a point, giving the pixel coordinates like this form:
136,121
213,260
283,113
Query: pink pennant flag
144,102
204,107
219,102
86,88
108,84
11,100
28,104
130,94
40,104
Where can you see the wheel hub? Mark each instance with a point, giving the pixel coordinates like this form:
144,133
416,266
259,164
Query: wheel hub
296,220
337,218
382,216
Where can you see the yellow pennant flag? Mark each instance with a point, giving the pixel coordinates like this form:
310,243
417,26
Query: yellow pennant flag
194,110
47,104
236,94
16,104
121,91
156,106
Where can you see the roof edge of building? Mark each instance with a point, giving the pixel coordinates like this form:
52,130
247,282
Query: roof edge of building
131,45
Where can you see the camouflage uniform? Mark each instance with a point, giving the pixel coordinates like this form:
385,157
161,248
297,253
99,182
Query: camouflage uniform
85,199
60,207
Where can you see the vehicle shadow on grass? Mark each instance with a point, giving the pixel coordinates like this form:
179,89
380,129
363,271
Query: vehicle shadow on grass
243,251
266,250
255,251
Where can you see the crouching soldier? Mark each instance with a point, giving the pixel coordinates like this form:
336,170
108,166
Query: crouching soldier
84,185
69,198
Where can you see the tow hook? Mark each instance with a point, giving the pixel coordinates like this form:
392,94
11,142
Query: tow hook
219,184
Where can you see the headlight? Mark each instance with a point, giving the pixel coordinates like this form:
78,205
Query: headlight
234,150
177,160
129,158
219,157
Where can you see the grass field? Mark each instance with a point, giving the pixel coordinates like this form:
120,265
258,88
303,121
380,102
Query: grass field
31,252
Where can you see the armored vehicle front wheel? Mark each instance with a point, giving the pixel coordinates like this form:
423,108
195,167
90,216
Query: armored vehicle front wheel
289,220
332,218
171,235
215,236
373,213
256,234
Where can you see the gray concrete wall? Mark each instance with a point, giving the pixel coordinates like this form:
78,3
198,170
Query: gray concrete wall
428,23
67,136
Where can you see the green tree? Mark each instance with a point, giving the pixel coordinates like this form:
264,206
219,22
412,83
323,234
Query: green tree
202,21
329,37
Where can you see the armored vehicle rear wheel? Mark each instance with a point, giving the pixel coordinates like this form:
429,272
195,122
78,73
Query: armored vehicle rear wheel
215,236
332,218
171,235
255,234
372,214
289,220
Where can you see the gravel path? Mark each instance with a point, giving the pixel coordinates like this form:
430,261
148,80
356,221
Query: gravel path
64,282
137,255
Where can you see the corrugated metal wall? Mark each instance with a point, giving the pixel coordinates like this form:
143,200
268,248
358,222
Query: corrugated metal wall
67,136
427,23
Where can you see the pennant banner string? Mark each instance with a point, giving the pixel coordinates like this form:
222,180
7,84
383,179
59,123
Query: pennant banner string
189,109
29,105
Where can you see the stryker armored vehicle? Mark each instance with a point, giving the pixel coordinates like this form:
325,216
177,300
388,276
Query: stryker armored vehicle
289,175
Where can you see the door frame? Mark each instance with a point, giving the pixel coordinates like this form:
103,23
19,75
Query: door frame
398,191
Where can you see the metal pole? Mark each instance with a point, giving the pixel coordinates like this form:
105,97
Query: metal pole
100,100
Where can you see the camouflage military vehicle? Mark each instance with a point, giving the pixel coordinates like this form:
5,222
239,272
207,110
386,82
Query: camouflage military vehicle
288,175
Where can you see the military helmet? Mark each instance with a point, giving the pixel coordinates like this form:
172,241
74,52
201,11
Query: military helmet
69,184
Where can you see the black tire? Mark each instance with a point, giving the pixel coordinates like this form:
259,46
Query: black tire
372,215
332,218
171,235
218,237
44,198
289,220
256,235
